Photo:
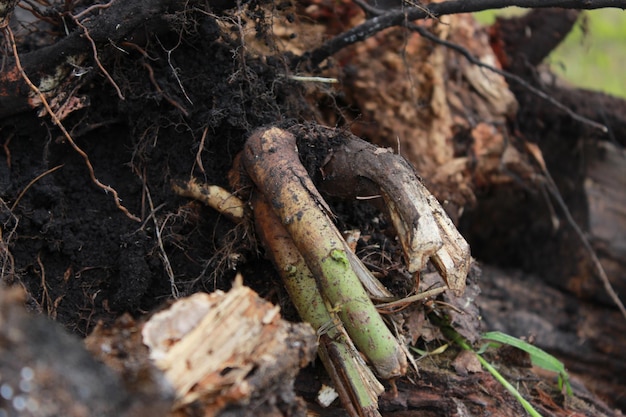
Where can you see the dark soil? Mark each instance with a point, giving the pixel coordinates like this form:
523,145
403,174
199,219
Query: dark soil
77,254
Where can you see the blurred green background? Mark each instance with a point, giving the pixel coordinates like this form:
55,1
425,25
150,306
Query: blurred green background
593,57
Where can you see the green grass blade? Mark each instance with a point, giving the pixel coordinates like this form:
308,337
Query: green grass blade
538,357
493,371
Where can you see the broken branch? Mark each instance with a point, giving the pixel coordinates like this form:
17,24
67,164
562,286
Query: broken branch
423,228
401,16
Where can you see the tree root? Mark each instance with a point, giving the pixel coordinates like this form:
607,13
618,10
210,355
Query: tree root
327,282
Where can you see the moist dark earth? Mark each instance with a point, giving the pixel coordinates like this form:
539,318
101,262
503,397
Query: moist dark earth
81,258
77,254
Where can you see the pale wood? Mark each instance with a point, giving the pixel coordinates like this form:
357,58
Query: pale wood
238,349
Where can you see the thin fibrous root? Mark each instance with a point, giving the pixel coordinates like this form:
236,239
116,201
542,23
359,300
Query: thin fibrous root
107,189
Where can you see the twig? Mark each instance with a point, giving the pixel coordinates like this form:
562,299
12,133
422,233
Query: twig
399,304
554,191
399,17
9,35
34,180
304,78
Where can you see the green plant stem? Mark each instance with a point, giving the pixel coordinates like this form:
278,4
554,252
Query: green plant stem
453,335
270,158
498,376
358,388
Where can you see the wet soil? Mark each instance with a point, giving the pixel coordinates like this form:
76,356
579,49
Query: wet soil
79,257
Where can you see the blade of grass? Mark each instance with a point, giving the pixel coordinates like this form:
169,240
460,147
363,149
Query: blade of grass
538,357
453,335
493,371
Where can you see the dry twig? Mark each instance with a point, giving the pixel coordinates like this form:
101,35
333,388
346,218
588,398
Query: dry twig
554,192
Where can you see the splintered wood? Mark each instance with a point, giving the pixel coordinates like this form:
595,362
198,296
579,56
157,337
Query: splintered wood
226,349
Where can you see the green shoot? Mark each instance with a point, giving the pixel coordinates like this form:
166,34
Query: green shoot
452,334
538,357
506,384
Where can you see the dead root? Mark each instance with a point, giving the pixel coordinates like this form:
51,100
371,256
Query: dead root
357,169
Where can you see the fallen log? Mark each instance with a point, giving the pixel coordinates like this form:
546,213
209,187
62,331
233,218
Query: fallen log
567,225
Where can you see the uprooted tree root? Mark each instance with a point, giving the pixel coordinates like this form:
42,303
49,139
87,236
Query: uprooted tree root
193,88
325,279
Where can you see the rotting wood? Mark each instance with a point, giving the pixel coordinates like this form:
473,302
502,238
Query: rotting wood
228,349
